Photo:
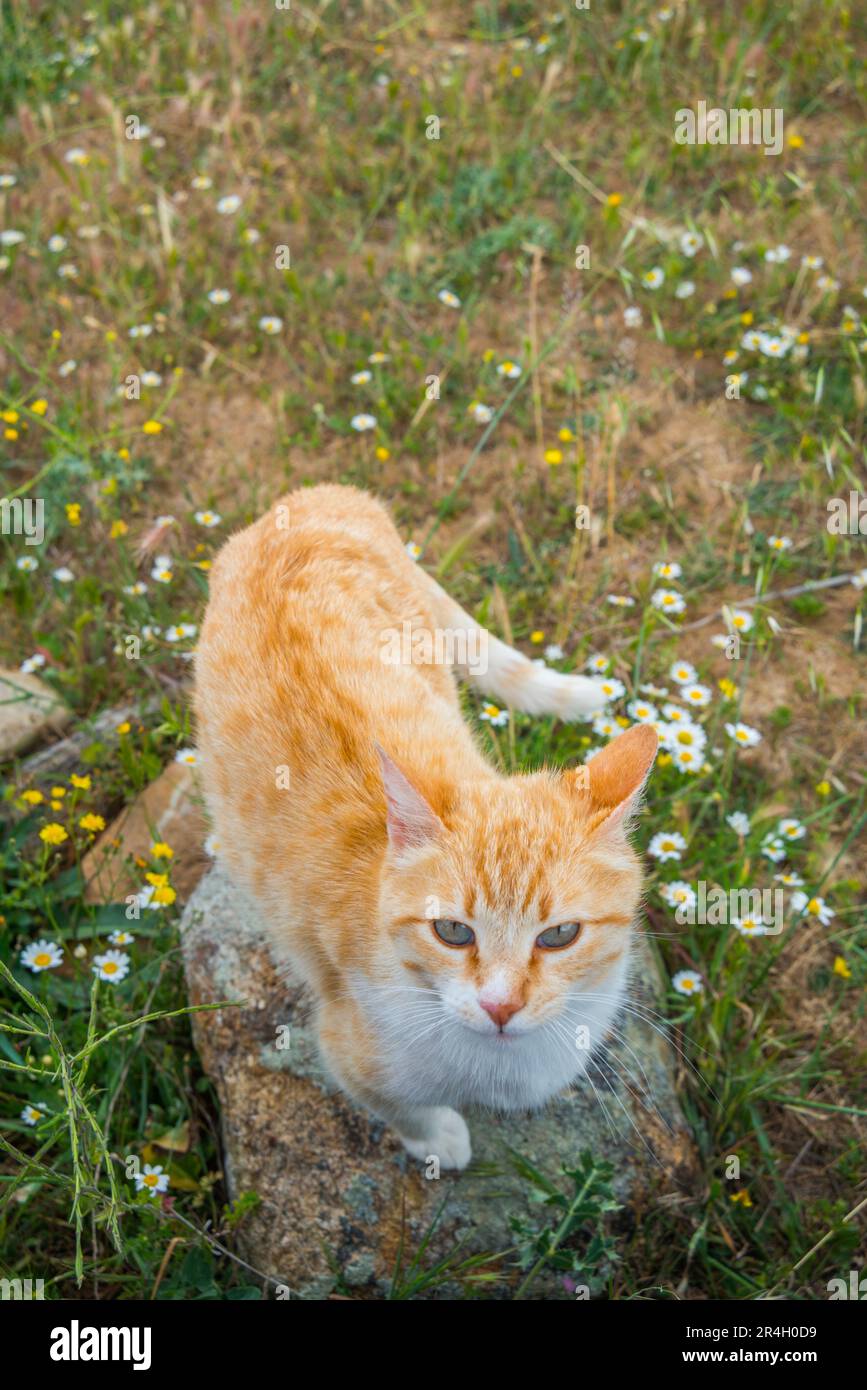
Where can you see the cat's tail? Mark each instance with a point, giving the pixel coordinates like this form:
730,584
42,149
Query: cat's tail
505,674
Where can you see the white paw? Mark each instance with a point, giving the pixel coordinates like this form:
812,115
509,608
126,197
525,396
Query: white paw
447,1139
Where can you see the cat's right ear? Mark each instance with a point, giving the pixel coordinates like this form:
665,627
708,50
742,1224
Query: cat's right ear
615,777
411,822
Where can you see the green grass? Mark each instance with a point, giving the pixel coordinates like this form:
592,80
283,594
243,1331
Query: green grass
316,118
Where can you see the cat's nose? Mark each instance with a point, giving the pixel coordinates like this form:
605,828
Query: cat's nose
500,1012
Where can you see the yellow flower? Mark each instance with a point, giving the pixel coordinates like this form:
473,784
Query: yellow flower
53,834
39,407
111,336
158,880
109,487
164,895
565,434
795,142
728,688
33,797
118,528
742,1196
92,822
82,783
747,318
10,416
842,969
622,721
160,850
823,788
614,200
664,759
517,70
382,453
123,728
58,791
553,456
537,637
123,454
73,513
151,427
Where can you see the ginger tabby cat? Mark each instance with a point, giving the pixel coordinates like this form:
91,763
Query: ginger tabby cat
456,927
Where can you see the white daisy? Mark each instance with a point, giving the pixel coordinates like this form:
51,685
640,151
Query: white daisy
42,955
696,695
450,300
207,518
739,822
667,601
492,714
678,893
219,296
652,279
685,289
687,982
683,673
667,844
632,316
482,414
691,243
791,829
667,569
31,664
812,907
363,423
187,755
743,734
27,564
270,324
226,206
151,1179
63,575
642,711
111,966
741,275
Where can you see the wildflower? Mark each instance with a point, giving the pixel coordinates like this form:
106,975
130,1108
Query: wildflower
511,370
612,688
495,716
31,664
686,759
208,518
162,570
683,673
652,279
642,711
92,822
728,688
30,1115
362,423
749,926
413,549
685,289
53,834
741,275
219,296
789,879
739,822
812,262
840,968
121,937
135,590
270,324
667,601
678,894
63,575
828,283
152,427
691,243
667,844
620,600
687,982
111,966
554,652
81,783
742,1196
684,734
361,378
813,907
482,414
743,734
32,796
598,662
773,346
790,829
777,255
42,955
11,238
186,755
8,180
553,456
774,850
160,850
73,513
741,620
823,788
605,727
697,695
667,569
632,316
77,156
614,200
201,182
212,846
27,564
151,1179
226,206
450,300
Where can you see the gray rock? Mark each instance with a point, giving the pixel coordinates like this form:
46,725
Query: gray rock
29,710
341,1201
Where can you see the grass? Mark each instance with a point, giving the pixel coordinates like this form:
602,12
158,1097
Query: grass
554,134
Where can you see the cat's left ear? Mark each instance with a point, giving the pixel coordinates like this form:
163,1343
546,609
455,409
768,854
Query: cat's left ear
614,778
411,822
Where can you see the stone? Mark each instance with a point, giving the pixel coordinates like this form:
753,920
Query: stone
29,711
168,810
340,1198
59,759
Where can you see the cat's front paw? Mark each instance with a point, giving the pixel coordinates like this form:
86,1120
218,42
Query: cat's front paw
446,1139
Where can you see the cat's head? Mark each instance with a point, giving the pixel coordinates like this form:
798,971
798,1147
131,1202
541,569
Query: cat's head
506,900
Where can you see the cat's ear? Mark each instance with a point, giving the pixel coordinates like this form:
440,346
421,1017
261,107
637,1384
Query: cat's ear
411,822
614,778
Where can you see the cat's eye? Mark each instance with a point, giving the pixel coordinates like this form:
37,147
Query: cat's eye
453,933
556,937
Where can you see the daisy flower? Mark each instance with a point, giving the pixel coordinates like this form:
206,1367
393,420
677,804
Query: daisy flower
774,850
749,926
683,673
361,378
812,262
684,735
76,156
777,255
667,601
741,275
135,590
687,982
111,966
162,570
691,243
492,714
652,279
63,575
696,695
667,569
685,289
605,727
612,688
8,180
271,324
121,938
779,542
743,734
226,206
376,358
554,652
686,759
667,844
219,296
32,663
208,518
42,955
791,829
413,549
57,243
482,414
361,423
152,1179
813,907
187,755
620,600
678,893
212,846
450,300
739,822
511,370
752,340
643,711
141,330
741,620
789,879
632,316
27,564
773,346
597,662
30,1115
